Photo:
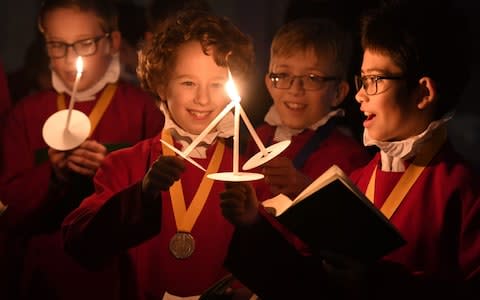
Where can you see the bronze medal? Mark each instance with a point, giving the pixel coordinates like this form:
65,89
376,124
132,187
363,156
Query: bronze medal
182,245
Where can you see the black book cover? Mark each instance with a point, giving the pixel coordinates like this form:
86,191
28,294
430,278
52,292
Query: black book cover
334,217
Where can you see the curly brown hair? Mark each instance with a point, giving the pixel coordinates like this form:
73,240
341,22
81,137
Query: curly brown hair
218,37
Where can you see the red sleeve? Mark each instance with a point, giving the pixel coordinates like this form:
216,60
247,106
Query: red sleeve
115,217
23,185
294,240
5,101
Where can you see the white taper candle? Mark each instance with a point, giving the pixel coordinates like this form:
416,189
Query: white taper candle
79,65
207,129
253,133
236,138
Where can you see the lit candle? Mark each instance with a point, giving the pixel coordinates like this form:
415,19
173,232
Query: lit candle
236,138
79,65
253,133
233,94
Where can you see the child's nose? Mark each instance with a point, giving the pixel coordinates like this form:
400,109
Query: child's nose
361,96
202,96
71,55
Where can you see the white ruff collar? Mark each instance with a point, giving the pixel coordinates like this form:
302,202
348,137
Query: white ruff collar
283,132
393,154
111,75
224,129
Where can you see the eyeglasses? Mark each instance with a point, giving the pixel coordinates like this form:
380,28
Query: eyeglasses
85,47
373,84
310,82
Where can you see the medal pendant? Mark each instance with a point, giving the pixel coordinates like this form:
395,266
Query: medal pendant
182,245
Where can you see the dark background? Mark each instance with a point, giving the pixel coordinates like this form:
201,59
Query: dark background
260,19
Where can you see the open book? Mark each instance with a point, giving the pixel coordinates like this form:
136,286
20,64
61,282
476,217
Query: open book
333,217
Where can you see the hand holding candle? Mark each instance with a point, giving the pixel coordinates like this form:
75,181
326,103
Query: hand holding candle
67,128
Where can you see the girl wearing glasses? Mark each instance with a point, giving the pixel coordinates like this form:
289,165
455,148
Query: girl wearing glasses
309,61
408,87
40,185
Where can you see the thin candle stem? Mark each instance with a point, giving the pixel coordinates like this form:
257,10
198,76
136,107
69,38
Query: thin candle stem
207,129
253,133
236,138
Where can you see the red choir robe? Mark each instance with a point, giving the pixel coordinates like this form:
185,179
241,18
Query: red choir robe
439,218
5,101
116,217
335,148
37,205
4,106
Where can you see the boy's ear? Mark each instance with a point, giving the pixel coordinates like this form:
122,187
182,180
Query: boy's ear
342,91
427,91
116,38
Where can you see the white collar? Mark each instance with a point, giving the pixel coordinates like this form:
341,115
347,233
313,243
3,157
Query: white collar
393,154
223,129
111,75
283,132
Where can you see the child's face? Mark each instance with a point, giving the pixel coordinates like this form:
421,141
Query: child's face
393,113
67,25
195,92
298,107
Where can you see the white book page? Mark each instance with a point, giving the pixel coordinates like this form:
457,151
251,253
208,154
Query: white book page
328,176
168,296
280,203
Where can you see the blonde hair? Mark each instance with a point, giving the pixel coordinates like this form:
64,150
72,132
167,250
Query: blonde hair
322,35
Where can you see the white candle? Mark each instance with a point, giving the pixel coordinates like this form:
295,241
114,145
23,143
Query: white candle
253,133
233,94
207,129
79,65
236,137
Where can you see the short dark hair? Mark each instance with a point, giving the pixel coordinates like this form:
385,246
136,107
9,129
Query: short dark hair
104,9
422,41
323,35
217,35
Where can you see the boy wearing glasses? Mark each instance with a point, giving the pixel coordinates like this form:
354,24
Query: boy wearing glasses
309,61
407,91
40,185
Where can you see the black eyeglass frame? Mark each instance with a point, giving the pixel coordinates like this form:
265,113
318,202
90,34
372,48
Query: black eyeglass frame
94,39
275,76
360,82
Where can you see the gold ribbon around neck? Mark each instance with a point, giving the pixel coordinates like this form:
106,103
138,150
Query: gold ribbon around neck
185,219
410,175
99,108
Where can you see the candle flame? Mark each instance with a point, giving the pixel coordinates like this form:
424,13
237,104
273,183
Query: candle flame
79,64
232,89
